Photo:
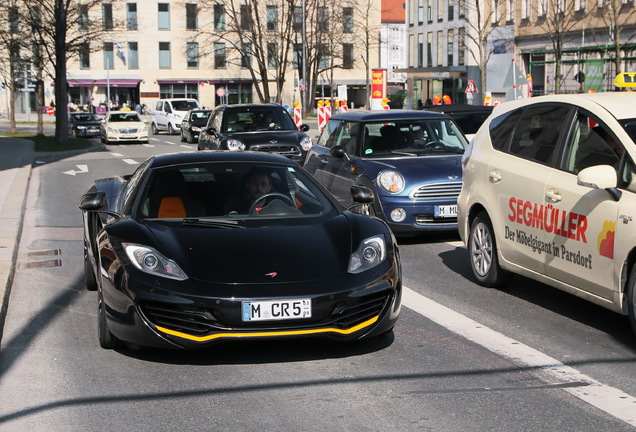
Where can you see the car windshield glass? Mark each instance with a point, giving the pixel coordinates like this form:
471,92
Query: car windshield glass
469,122
200,115
84,117
185,105
257,119
226,191
124,117
630,127
412,138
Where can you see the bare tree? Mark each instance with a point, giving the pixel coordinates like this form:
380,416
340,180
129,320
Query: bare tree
480,16
367,31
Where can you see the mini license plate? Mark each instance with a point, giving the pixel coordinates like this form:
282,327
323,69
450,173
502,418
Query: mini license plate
446,211
270,310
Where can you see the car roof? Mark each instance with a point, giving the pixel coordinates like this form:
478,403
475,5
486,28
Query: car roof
248,106
622,105
388,115
184,158
458,108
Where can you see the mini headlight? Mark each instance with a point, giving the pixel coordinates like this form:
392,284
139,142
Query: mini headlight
235,145
81,127
148,260
306,143
371,252
391,181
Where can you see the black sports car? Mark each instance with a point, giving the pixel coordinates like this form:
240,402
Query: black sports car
83,124
199,247
192,123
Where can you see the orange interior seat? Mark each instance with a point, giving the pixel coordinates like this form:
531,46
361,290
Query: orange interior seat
171,207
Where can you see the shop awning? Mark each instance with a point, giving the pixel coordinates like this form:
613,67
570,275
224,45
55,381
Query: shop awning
103,82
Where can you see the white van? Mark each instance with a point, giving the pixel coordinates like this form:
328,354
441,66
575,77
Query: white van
167,114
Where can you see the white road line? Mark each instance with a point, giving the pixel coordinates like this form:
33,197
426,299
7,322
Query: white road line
609,399
131,162
117,154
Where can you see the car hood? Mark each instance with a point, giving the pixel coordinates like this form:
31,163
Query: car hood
267,137
422,169
125,124
87,124
271,254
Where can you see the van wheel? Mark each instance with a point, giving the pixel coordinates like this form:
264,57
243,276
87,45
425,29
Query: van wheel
170,129
482,248
631,298
153,129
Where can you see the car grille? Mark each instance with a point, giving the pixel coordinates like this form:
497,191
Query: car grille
430,220
200,321
437,191
128,130
288,150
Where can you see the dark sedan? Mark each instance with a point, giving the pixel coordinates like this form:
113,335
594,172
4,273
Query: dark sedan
192,123
258,127
83,124
411,160
200,247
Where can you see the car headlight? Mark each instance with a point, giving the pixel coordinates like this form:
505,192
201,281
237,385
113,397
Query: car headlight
371,252
148,260
306,143
235,145
81,127
196,129
391,181
112,130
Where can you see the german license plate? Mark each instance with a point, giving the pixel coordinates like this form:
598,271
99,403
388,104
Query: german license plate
128,137
270,310
446,211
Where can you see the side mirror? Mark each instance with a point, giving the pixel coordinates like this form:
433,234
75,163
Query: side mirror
304,128
92,201
362,195
339,151
600,177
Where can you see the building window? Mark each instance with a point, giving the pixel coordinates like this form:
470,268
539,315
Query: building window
461,47
85,56
347,56
298,18
192,55
246,56
462,8
271,16
411,51
107,16
451,10
347,20
164,16
82,17
109,57
219,17
272,52
420,12
165,61
14,19
219,55
429,49
420,50
440,48
429,11
323,19
192,16
323,57
450,47
246,17
131,16
510,11
297,56
440,10
133,55
170,91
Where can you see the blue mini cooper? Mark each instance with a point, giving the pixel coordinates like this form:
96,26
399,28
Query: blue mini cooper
411,160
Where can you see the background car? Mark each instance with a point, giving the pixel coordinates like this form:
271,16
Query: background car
258,127
192,123
469,118
178,264
123,127
409,159
167,114
83,124
550,193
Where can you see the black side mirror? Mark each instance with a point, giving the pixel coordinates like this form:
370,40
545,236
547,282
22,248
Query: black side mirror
362,195
304,128
339,151
92,201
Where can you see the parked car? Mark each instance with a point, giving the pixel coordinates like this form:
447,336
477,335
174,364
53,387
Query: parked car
123,127
469,118
83,124
177,262
550,193
257,127
167,114
192,123
409,159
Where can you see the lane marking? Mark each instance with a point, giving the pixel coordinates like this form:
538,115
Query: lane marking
117,154
131,161
81,169
609,399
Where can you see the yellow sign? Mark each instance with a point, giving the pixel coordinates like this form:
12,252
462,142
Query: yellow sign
625,79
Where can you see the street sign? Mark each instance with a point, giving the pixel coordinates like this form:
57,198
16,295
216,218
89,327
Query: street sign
471,87
220,92
27,90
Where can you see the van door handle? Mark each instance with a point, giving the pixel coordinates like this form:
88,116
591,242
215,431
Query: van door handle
553,196
494,177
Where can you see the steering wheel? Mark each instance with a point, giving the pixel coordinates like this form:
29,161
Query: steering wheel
268,195
434,145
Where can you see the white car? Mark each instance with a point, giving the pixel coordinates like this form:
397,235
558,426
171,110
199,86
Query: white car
123,126
549,192
167,114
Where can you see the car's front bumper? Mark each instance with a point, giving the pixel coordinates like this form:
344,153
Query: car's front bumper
419,216
138,137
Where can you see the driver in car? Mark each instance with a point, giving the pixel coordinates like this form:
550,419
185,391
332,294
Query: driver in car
257,183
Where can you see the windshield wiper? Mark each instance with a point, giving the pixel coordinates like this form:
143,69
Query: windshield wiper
212,223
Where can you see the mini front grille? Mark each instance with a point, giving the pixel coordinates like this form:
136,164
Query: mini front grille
432,220
437,191
281,149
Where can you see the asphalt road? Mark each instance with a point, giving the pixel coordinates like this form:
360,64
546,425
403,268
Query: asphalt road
462,358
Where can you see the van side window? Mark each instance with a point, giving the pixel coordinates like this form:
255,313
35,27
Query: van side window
158,106
537,132
501,129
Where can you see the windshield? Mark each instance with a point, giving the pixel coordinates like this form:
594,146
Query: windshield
257,119
124,117
630,127
185,105
412,137
85,117
237,191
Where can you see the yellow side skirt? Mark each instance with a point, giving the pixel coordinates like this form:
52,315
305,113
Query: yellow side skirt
267,334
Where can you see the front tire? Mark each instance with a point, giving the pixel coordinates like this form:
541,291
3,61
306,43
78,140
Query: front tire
89,275
170,129
482,248
153,129
631,298
106,339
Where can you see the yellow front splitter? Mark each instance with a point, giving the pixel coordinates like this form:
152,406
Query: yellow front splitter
268,334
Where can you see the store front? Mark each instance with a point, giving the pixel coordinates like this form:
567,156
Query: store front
122,92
